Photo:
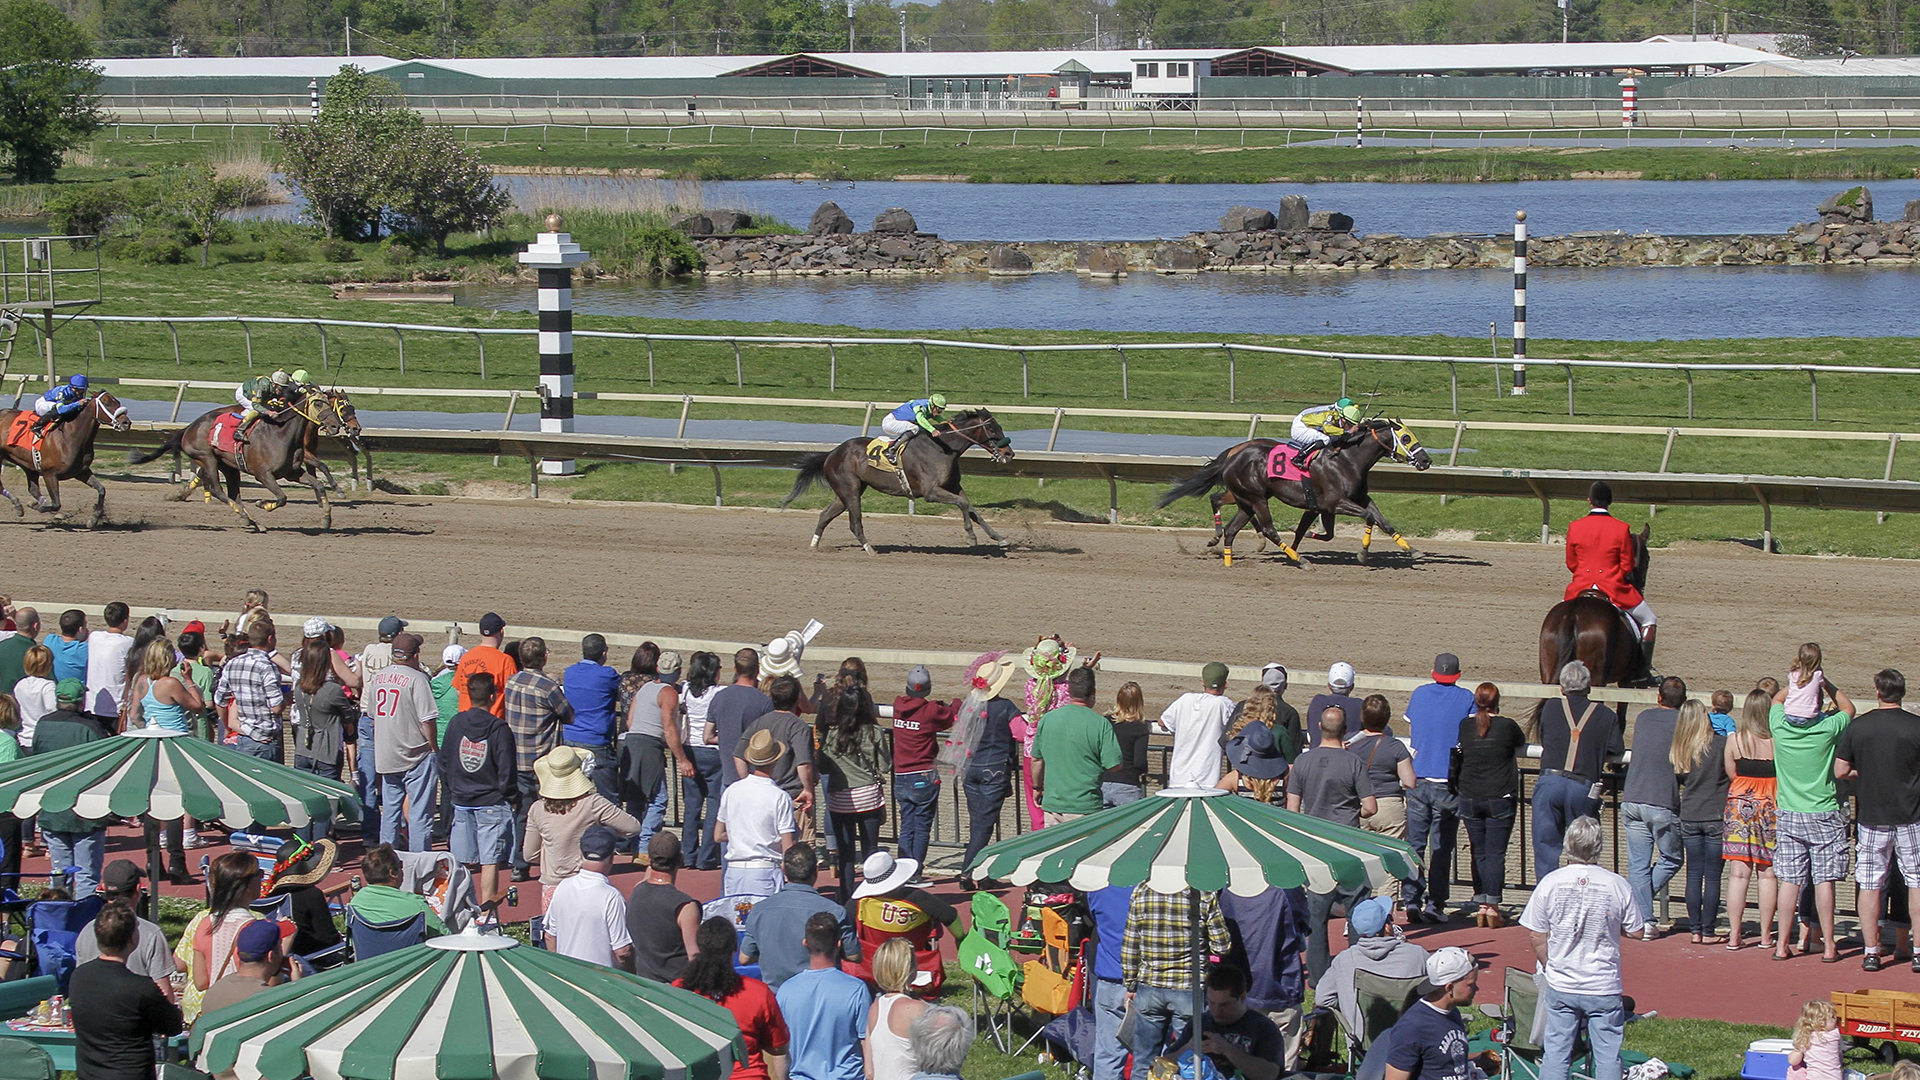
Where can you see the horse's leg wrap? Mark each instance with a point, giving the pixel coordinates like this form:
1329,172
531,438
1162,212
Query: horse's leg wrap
1402,541
815,542
1227,556
1366,537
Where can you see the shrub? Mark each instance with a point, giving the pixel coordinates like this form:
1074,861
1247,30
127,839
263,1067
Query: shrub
665,251
286,249
336,250
84,210
159,248
398,252
712,168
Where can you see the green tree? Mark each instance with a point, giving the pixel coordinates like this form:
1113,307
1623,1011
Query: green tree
436,186
334,163
48,103
204,199
134,27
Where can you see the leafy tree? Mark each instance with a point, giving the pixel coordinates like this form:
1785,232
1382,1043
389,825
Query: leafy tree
134,27
334,162
205,198
436,186
48,103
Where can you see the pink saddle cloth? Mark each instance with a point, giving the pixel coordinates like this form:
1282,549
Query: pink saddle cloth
1280,464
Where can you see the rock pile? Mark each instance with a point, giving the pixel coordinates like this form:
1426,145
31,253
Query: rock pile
1847,207
714,223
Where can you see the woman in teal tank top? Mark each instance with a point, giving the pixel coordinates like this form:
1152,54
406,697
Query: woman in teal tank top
165,701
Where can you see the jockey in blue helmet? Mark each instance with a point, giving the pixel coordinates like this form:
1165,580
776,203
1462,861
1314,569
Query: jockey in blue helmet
60,403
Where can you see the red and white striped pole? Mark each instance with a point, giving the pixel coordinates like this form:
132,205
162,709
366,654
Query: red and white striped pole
1629,107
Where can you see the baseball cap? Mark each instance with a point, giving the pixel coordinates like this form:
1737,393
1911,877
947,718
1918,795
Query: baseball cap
451,655
1214,675
315,627
1446,668
1370,916
491,624
1274,677
597,843
669,663
1448,966
195,627
70,689
919,681
257,939
1340,676
408,644
121,877
392,625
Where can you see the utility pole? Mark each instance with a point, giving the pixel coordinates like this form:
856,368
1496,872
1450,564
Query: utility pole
849,25
1566,12
903,30
1695,18
1096,29
349,23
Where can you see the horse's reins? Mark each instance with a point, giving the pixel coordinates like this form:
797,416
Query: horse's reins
979,422
113,418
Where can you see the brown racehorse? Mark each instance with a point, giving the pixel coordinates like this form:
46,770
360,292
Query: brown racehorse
274,451
1589,628
929,469
66,454
1338,475
350,435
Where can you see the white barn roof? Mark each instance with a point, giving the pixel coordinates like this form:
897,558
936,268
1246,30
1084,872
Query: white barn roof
1853,65
598,67
185,67
1526,56
989,65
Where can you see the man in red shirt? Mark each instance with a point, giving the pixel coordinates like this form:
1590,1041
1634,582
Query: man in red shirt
918,722
1600,554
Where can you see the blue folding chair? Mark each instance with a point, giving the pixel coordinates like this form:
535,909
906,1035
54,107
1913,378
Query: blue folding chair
280,910
371,939
734,909
53,933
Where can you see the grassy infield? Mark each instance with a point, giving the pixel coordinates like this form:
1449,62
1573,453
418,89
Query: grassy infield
241,281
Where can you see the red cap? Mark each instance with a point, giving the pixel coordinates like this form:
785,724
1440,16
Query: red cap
194,627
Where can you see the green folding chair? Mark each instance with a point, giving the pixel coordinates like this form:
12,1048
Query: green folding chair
1382,1001
22,1060
991,968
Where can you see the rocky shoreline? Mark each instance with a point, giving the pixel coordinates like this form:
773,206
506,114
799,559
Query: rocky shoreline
1293,240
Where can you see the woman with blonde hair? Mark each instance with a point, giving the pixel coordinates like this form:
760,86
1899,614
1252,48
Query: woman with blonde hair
1698,757
1748,823
1127,781
889,1057
34,692
157,698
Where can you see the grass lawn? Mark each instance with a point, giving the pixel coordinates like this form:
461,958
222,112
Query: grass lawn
1060,157
241,281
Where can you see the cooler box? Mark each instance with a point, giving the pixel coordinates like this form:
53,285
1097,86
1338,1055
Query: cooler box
1766,1059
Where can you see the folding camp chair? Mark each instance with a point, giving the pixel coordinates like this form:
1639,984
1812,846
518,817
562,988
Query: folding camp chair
1381,1001
279,908
1054,984
371,939
23,1060
995,977
53,932
447,885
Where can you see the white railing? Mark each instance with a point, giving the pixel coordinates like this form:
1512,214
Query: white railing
1230,350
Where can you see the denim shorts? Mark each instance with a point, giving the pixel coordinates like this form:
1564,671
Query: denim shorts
482,835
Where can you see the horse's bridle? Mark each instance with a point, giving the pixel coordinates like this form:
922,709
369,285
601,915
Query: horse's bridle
996,451
303,404
116,417
1397,449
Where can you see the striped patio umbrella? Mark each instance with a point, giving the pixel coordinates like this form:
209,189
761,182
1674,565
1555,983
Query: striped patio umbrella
470,1007
166,774
1190,839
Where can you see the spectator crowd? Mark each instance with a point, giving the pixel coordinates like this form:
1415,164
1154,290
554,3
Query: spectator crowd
509,767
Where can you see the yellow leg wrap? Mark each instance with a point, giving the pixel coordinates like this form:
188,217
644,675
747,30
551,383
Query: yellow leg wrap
1287,550
1227,557
1402,541
1366,538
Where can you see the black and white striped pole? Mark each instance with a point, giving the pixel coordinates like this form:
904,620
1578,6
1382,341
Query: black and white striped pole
554,255
1359,122
313,93
1519,303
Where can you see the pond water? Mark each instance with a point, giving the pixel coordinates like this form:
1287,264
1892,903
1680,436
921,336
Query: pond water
1632,304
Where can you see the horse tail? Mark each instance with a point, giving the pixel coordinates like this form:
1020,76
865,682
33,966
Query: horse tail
812,468
1200,483
172,445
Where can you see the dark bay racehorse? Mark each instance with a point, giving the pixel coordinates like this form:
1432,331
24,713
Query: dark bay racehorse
66,454
275,450
929,469
1590,629
1338,475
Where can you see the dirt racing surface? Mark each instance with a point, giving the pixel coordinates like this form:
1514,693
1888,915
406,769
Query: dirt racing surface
1728,614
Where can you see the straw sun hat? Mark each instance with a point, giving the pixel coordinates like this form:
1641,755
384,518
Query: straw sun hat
562,775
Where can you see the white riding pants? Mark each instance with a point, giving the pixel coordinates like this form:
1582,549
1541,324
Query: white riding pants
1642,618
893,427
240,397
1305,435
41,407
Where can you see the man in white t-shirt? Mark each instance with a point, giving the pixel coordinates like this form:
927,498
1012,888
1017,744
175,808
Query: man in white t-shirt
107,663
755,822
1575,918
405,723
1197,721
587,918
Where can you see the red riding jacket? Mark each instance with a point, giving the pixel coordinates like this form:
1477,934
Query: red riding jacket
1600,554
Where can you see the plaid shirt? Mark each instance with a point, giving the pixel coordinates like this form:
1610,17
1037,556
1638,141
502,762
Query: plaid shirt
533,703
1158,950
251,684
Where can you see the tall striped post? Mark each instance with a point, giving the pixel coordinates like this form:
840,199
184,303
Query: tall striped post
1519,303
313,93
1629,105
1359,122
554,255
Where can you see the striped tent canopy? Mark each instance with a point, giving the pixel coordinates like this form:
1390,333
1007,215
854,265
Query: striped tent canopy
470,1007
1206,839
167,774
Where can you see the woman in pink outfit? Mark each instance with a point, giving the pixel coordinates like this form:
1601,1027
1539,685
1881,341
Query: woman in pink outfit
1047,664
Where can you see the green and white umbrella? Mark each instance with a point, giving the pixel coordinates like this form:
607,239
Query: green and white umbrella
167,774
1202,839
470,1007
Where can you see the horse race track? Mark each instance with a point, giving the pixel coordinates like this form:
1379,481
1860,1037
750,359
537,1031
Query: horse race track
1728,613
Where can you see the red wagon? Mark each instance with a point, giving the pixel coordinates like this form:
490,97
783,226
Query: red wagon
1890,1017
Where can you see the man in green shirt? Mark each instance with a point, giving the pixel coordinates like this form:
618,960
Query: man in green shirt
1071,748
381,900
13,650
1812,829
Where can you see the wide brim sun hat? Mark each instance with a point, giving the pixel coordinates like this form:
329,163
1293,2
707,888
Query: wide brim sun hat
1048,659
314,866
782,656
884,873
990,672
561,775
1254,754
